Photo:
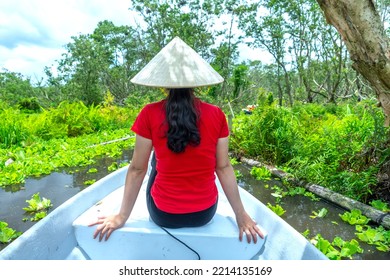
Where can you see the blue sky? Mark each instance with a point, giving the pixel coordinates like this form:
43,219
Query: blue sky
33,32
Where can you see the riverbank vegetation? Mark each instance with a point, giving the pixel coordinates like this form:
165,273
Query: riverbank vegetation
300,105
342,147
38,143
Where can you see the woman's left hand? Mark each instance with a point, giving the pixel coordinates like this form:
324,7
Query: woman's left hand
106,225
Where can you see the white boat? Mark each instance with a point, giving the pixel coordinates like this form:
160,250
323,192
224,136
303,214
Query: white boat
65,235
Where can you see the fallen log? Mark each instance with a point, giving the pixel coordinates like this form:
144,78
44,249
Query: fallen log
377,216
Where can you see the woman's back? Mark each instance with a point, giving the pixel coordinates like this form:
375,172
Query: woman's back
185,181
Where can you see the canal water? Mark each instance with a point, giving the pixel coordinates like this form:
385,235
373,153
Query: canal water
62,185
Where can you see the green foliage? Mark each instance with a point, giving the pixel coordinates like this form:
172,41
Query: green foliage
266,133
302,191
347,248
260,173
13,128
75,119
320,214
38,207
380,205
278,193
379,237
296,191
240,80
14,88
37,204
354,217
29,105
113,166
69,135
38,216
89,182
66,120
233,161
43,157
7,234
339,147
238,174
277,209
92,170
337,249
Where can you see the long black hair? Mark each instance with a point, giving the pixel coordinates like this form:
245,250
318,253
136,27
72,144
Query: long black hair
182,117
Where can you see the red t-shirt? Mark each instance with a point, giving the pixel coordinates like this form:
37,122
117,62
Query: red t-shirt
185,182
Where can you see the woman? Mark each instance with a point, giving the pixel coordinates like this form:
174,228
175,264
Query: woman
190,142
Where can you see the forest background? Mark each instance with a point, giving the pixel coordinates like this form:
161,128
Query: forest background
315,117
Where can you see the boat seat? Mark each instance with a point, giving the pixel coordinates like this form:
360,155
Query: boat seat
141,239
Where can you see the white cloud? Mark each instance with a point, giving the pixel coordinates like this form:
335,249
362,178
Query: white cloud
33,32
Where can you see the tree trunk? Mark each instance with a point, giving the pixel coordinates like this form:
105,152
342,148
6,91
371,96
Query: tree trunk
363,32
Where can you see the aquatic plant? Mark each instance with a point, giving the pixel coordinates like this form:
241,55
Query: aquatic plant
238,174
277,209
89,182
380,205
379,237
233,161
320,214
38,207
260,173
337,249
7,234
92,170
37,204
354,217
43,157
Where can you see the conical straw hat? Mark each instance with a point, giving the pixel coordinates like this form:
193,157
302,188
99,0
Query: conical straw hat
177,65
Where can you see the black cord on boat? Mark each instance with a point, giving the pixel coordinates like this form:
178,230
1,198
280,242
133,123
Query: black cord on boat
174,237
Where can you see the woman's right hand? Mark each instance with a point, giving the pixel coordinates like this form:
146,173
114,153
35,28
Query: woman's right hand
106,226
248,226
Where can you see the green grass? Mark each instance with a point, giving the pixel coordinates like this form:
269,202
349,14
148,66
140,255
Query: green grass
339,147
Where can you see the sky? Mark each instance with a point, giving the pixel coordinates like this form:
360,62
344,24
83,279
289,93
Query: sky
33,33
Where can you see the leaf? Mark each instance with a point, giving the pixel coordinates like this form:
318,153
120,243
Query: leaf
382,247
277,209
322,213
354,217
92,170
306,233
39,216
380,205
37,204
7,234
89,182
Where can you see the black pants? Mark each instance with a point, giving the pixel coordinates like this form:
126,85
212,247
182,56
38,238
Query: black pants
169,220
